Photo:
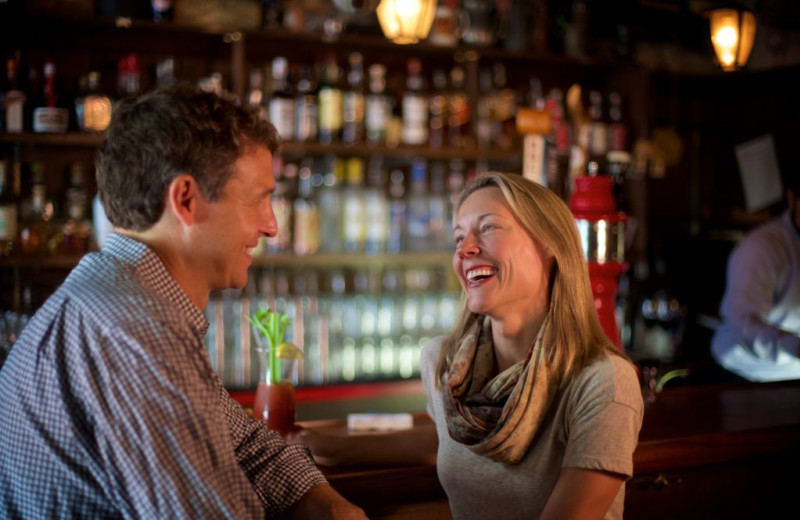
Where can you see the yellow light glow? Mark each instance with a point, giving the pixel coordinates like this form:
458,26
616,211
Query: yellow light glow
731,47
406,21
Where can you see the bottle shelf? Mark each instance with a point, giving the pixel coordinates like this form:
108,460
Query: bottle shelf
144,32
316,261
66,140
290,149
40,262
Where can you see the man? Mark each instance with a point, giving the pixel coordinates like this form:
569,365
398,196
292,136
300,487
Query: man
110,407
759,338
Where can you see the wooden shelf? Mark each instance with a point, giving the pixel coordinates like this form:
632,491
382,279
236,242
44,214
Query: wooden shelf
290,149
40,262
318,261
67,140
355,260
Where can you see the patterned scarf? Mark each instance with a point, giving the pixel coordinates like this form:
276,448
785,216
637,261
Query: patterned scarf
496,417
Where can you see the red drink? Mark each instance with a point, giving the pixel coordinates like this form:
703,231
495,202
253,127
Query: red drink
275,404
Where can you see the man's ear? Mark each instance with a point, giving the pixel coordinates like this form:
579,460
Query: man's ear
182,198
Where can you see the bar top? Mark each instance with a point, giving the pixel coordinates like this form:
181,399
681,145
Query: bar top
682,428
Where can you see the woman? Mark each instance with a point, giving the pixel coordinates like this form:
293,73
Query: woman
536,413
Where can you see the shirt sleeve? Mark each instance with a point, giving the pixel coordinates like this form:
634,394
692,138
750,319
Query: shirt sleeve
280,473
756,272
152,421
604,418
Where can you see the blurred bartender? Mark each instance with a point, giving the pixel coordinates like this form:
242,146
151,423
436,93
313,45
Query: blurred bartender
759,338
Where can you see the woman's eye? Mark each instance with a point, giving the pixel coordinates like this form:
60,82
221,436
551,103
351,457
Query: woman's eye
487,227
457,240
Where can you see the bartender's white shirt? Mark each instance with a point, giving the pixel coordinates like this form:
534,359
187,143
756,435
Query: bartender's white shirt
762,297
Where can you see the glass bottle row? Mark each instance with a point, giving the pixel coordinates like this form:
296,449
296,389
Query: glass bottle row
355,325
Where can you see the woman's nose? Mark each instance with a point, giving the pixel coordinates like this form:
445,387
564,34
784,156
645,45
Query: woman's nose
467,247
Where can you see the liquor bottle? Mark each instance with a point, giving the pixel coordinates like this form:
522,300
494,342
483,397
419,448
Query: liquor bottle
455,183
536,98
50,117
437,208
395,242
281,103
306,107
418,218
618,158
331,102
282,208
255,92
484,109
559,143
8,210
377,208
438,108
13,99
415,106
36,212
162,10
329,201
504,132
129,75
460,115
93,110
378,106
354,207
306,213
76,232
598,136
353,110
617,130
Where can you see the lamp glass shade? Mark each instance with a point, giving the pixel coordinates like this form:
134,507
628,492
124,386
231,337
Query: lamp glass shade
732,33
406,21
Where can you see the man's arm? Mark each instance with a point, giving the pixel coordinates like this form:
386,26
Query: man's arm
322,502
753,278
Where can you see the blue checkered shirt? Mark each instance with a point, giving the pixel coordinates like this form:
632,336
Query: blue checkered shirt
109,408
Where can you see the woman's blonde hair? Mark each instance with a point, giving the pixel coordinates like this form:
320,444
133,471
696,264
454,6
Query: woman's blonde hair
574,336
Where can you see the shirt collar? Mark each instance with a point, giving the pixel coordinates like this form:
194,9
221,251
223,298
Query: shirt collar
789,221
154,274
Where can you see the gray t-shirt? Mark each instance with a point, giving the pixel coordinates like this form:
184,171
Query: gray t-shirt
592,424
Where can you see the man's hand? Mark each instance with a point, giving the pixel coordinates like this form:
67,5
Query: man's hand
322,502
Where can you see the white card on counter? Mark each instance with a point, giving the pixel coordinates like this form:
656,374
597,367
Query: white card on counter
384,422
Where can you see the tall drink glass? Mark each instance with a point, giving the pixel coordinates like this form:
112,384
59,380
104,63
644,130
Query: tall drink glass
274,401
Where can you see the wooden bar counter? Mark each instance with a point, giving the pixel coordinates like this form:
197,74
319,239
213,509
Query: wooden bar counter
705,452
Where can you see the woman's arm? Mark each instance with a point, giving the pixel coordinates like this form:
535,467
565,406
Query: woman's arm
582,494
417,445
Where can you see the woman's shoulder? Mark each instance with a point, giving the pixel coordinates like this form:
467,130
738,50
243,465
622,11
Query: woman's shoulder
430,351
613,376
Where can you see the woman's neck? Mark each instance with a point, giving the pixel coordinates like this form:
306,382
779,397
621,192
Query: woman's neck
513,339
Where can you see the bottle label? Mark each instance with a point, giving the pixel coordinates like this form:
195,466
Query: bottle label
377,117
305,128
50,119
353,223
415,120
306,228
13,103
281,114
331,108
96,113
281,243
598,143
8,222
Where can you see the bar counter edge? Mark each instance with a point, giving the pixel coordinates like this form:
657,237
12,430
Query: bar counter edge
705,452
